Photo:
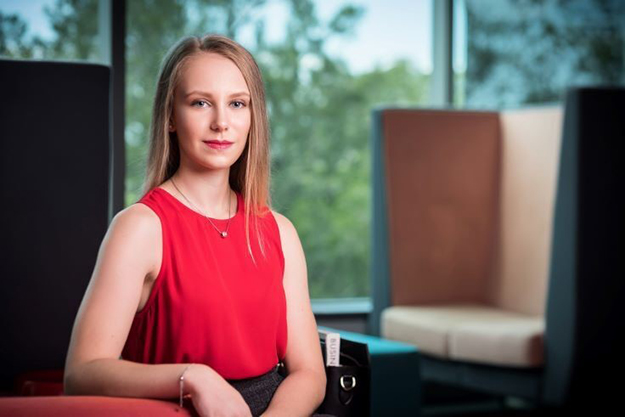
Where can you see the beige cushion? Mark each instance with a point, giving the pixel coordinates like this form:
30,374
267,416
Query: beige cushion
468,332
529,167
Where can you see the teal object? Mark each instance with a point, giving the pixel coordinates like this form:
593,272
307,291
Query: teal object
395,375
380,265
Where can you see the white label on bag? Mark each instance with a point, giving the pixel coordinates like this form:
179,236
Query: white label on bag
333,349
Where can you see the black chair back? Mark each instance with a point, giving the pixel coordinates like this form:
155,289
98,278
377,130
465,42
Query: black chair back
54,162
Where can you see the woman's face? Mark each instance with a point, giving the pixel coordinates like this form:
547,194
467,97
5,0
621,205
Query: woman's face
211,103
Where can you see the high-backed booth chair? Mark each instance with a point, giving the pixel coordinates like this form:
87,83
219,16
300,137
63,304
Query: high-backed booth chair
497,245
54,158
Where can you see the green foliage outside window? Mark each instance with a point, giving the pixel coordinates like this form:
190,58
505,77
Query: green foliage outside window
319,112
529,51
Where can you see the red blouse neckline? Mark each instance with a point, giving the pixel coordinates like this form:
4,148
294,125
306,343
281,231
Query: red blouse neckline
238,212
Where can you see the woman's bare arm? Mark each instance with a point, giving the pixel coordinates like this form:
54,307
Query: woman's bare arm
304,388
129,251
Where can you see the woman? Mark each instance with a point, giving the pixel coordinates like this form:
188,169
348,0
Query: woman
199,289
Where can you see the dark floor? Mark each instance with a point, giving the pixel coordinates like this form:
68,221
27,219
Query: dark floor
444,401
483,410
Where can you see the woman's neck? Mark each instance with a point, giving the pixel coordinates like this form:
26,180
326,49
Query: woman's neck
208,191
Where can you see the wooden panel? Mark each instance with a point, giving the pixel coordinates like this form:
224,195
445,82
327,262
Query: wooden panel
442,180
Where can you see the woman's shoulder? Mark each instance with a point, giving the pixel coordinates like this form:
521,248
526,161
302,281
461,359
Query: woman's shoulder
139,219
286,228
138,212
281,219
135,231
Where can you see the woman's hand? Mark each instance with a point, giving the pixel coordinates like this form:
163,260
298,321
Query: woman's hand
212,395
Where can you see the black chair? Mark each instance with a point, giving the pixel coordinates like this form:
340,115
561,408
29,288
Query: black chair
54,151
585,326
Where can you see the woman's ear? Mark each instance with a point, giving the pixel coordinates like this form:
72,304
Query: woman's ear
172,127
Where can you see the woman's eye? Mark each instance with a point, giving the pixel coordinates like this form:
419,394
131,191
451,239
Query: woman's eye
203,103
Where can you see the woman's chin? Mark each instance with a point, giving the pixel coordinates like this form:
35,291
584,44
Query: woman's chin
219,165
215,162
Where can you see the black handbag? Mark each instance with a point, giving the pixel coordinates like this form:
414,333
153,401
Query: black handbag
348,386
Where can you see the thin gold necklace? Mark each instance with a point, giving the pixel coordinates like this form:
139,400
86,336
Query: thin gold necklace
223,233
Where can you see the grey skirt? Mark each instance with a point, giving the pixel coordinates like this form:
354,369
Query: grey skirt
258,391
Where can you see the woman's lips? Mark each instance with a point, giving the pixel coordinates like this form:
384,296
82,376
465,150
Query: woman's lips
217,144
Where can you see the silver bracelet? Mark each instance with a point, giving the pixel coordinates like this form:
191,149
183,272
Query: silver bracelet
182,383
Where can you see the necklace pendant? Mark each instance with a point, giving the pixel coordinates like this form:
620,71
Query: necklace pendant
224,234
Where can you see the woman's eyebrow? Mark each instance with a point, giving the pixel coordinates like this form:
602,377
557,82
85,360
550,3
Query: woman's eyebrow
204,93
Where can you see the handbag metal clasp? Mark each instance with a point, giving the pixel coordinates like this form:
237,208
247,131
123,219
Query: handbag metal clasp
346,378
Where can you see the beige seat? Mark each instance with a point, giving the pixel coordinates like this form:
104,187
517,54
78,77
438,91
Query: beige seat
469,199
471,196
497,246
474,333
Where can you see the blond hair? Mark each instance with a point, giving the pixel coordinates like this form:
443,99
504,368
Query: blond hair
250,174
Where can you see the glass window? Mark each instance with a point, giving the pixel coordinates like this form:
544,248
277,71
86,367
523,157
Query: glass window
519,52
50,30
325,63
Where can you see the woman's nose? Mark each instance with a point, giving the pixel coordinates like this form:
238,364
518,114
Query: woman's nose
219,122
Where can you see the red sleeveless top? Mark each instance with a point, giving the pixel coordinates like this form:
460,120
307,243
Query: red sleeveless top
210,303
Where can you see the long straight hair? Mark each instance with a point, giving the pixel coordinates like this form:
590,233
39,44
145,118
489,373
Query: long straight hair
250,174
